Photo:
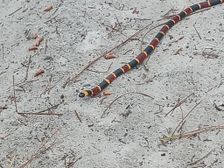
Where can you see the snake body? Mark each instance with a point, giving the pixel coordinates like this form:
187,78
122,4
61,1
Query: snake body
150,48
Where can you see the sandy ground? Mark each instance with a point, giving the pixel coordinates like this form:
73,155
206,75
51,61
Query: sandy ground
66,131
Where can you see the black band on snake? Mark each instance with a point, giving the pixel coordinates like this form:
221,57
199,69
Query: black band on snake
149,49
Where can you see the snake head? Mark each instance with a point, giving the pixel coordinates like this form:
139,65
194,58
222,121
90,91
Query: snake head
85,93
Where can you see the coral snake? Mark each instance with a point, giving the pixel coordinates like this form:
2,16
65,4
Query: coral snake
150,48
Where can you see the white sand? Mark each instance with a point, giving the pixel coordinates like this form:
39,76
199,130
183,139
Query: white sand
129,135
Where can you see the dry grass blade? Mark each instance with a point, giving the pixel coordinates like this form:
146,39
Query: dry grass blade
14,93
77,115
101,71
27,69
108,107
183,119
42,114
199,160
178,104
43,148
190,134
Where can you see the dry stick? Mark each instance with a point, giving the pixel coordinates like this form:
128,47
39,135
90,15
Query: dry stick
212,164
191,133
178,104
27,70
26,82
197,31
101,71
14,93
15,11
46,46
52,107
104,112
77,115
50,88
77,160
182,121
40,150
48,109
201,130
181,126
42,114
101,56
197,161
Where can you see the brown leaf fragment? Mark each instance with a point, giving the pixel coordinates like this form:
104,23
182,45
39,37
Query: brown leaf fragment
107,93
110,55
33,48
38,41
39,72
48,8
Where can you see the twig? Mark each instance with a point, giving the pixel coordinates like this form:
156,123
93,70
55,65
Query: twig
48,88
49,20
14,93
77,160
178,51
182,121
209,55
26,82
101,71
77,115
197,161
46,46
179,103
190,134
41,149
167,14
50,108
42,111
27,70
70,79
42,114
15,11
197,31
143,94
